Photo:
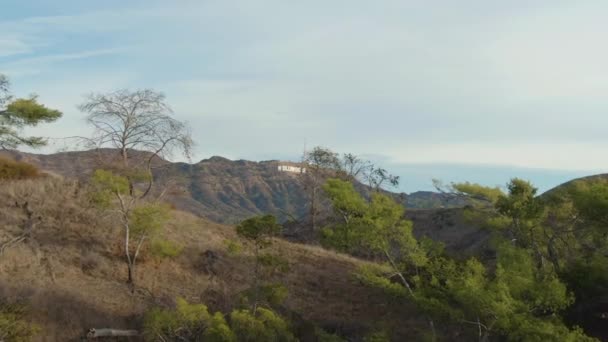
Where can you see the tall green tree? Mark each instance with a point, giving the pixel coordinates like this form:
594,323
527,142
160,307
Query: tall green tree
259,231
515,298
18,113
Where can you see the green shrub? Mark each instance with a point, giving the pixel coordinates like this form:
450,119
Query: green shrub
324,336
192,322
233,247
264,325
162,249
12,170
187,322
218,330
13,324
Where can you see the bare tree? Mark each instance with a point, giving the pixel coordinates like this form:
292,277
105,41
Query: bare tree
136,120
354,167
378,177
320,163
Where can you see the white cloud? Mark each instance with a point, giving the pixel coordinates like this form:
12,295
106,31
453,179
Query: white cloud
12,46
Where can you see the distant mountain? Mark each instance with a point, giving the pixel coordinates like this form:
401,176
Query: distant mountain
220,189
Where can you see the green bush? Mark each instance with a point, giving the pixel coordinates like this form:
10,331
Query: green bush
218,330
192,322
13,325
162,249
187,322
233,247
12,170
264,325
324,336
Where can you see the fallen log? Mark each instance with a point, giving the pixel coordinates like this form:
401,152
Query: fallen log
106,332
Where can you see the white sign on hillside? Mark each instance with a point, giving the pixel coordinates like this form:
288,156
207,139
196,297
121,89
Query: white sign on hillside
289,168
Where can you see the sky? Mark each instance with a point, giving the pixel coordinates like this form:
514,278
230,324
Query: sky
471,90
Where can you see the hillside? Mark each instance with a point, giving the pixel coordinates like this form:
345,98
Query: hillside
71,272
217,188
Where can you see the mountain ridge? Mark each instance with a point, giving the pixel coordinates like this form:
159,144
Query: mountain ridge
223,190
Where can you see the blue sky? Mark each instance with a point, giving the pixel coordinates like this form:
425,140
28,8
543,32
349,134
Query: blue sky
458,90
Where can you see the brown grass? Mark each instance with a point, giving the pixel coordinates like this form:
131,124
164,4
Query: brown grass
72,272
10,169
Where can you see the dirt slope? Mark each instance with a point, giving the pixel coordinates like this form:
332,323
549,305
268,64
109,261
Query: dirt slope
71,272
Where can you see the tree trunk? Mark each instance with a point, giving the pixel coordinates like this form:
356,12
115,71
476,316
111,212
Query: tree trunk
256,285
130,262
313,208
432,325
106,332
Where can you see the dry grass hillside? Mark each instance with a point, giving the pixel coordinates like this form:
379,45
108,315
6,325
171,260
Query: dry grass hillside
70,270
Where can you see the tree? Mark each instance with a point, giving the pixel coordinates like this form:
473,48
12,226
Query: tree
260,230
478,195
16,114
348,206
516,298
320,163
354,167
140,222
378,177
136,120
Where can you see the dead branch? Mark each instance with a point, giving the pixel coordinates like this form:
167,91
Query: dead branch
28,226
107,332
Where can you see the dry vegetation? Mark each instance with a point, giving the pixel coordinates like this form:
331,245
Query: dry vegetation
70,270
10,169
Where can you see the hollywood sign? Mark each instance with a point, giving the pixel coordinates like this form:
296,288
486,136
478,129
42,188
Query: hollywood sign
289,168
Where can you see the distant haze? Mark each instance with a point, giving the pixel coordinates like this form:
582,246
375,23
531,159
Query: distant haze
458,90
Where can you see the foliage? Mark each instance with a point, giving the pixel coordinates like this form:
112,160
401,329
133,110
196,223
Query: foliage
376,277
13,170
259,229
479,192
263,325
15,114
272,294
520,297
377,225
106,185
324,336
162,249
322,158
218,330
377,336
140,220
193,322
187,321
13,324
273,263
521,202
148,219
233,247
